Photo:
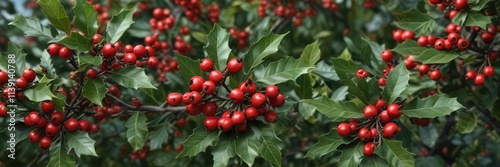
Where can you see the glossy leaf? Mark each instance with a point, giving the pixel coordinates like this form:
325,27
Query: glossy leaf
326,71
376,48
269,147
224,150
475,18
137,130
56,14
327,143
304,89
418,22
466,122
479,4
119,24
311,53
258,51
352,155
87,60
14,57
198,142
76,42
374,161
433,56
94,90
397,81
286,69
81,143
189,67
85,18
409,47
335,110
247,147
132,77
218,47
38,93
31,27
395,154
431,107
46,63
58,158
158,137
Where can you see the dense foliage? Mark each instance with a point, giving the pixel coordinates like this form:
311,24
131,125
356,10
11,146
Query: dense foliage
257,83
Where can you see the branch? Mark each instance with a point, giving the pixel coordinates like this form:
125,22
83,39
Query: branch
441,140
147,108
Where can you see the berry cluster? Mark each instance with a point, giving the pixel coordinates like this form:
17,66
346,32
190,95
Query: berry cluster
241,36
452,7
58,50
140,154
213,13
240,106
290,10
20,84
162,19
102,11
192,8
378,123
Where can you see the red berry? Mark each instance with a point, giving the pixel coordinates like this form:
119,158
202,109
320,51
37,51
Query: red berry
431,40
236,95
479,79
3,110
130,59
140,51
344,129
397,35
423,40
423,69
434,2
394,111
374,132
380,103
390,129
488,71
53,49
109,50
45,142
96,38
384,117
409,63
272,91
209,87
234,65
34,136
57,118
238,117
370,111
278,101
4,78
435,75
206,64
382,82
271,116
251,113
258,99
52,129
487,37
364,134
174,99
460,4
194,109
439,44
22,83
47,106
387,56
196,97
84,125
209,108
91,73
361,73
225,124
369,148
94,128
470,75
29,75
186,98
152,62
463,44
216,76
407,35
211,123
196,83
71,125
65,53
453,37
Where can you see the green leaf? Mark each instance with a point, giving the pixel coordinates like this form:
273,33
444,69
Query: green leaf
269,147
352,155
304,88
283,70
198,141
346,71
433,56
436,161
258,51
87,60
346,55
374,161
335,110
189,67
119,24
132,77
39,92
466,122
311,53
475,18
46,63
418,22
224,150
76,42
397,81
218,47
326,71
478,6
56,14
58,158
31,27
376,48
395,154
409,47
81,143
158,137
431,107
327,143
247,147
137,130
14,57
460,18
85,18
200,36
94,90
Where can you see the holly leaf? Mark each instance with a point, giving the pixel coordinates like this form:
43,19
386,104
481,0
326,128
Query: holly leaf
85,18
31,27
218,47
397,81
132,77
94,90
394,153
81,143
158,137
198,142
46,63
433,56
283,70
475,18
352,155
56,14
189,67
258,51
247,147
76,42
14,57
417,22
409,47
376,48
269,147
478,5
58,158
87,60
119,24
224,150
374,161
431,107
38,93
304,89
466,122
327,143
335,110
311,53
137,130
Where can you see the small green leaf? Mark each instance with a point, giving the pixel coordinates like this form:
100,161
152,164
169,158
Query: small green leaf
31,27
304,89
94,90
409,47
56,14
218,47
59,158
352,155
269,148
335,110
87,60
431,107
132,77
286,69
198,141
200,36
189,67
137,130
475,18
326,71
258,51
85,18
158,136
394,153
374,161
466,122
76,42
39,92
311,53
417,22
346,55
224,150
247,147
376,48
478,6
327,143
459,19
46,63
119,24
433,56
81,143
397,81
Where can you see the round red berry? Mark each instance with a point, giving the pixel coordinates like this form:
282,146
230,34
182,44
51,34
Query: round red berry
65,53
344,129
109,50
211,123
394,111
271,116
209,87
225,124
488,71
435,75
370,111
236,95
216,76
45,142
206,64
258,99
369,148
234,65
52,129
71,125
53,49
34,136
84,125
479,79
251,113
387,56
47,106
390,129
29,75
